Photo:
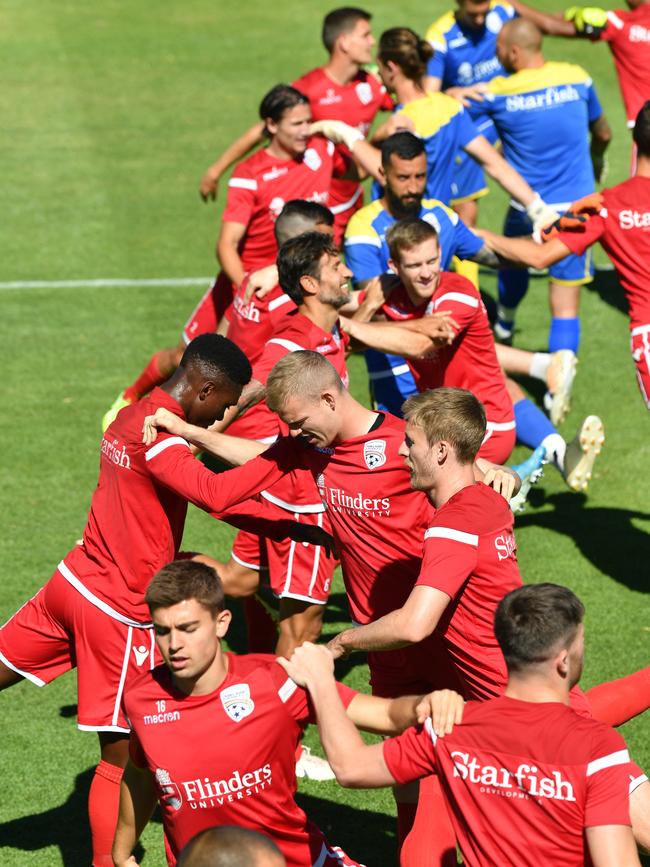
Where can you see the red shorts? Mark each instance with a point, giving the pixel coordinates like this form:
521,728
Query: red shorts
210,309
640,344
296,570
413,670
498,443
59,629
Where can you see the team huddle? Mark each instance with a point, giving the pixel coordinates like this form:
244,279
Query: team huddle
491,747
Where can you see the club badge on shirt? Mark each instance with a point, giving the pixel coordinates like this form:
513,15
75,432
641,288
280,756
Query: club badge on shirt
169,791
364,92
374,453
237,701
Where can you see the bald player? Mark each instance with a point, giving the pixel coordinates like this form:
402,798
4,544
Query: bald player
230,846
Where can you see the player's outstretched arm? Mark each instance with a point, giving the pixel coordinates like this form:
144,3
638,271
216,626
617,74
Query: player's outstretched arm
137,801
391,716
230,237
601,137
612,844
548,23
232,154
504,480
355,764
365,155
410,339
524,251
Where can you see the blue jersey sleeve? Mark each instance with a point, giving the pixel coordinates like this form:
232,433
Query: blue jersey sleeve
436,66
363,257
466,243
467,129
594,108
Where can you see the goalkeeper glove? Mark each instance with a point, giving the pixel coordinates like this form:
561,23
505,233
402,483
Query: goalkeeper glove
575,218
589,21
540,215
337,131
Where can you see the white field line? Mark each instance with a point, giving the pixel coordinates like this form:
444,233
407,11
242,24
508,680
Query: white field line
108,283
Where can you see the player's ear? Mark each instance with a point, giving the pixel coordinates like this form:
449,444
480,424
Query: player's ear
309,284
329,399
562,662
392,264
207,389
223,622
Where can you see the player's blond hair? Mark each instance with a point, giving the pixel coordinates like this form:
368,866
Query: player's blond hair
451,414
407,234
303,374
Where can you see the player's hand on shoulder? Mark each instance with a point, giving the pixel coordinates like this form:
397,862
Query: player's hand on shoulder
504,480
440,326
261,282
464,95
162,419
445,709
209,186
309,664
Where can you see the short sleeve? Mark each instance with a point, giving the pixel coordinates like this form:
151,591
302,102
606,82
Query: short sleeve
614,27
608,781
460,299
297,700
436,65
363,251
579,240
466,242
411,755
594,108
467,129
136,753
242,193
450,557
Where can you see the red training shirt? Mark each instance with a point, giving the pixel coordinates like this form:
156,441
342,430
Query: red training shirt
254,322
628,35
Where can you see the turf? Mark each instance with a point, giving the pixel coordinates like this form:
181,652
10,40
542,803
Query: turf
111,113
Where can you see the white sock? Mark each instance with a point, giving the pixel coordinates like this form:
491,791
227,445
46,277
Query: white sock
539,365
506,314
555,447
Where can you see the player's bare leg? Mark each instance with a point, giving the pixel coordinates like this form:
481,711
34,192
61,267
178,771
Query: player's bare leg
238,580
298,622
640,815
556,369
8,677
104,795
468,212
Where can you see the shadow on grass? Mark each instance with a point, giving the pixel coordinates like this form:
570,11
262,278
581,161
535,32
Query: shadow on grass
606,536
360,833
65,826
610,290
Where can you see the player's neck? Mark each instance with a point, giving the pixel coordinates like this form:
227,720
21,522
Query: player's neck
450,483
207,682
357,420
320,314
535,61
407,90
642,167
340,69
275,149
537,688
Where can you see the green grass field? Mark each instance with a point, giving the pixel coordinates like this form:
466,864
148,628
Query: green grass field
111,112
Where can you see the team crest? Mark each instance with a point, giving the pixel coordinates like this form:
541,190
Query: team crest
374,453
237,701
169,791
312,160
493,22
465,73
364,92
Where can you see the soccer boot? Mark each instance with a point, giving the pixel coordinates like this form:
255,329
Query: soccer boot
311,767
530,472
582,452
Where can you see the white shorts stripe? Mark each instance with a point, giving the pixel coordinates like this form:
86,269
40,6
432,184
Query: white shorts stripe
635,782
287,689
286,344
165,444
96,601
454,535
243,183
460,297
125,668
287,581
31,677
640,329
317,550
301,598
620,757
85,728
255,566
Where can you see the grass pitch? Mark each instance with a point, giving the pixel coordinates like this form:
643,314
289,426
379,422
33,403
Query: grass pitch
111,114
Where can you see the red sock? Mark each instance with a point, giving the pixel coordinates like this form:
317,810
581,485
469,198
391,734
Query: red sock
103,805
150,377
619,700
261,630
431,842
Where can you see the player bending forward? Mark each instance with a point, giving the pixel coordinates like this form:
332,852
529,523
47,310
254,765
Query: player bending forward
214,735
527,781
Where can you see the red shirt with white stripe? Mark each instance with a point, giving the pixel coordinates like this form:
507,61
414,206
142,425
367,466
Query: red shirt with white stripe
470,554
296,491
227,758
262,184
355,103
628,35
623,229
137,513
471,361
255,321
523,780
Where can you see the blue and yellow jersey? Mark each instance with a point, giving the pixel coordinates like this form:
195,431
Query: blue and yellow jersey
542,117
366,250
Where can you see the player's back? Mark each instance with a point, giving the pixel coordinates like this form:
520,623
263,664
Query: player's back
628,35
543,116
254,320
524,779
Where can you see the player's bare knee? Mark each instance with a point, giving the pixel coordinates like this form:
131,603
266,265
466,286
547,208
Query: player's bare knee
301,620
640,816
238,581
114,748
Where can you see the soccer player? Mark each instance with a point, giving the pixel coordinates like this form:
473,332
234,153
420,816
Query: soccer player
214,735
543,112
231,846
470,360
91,614
340,90
527,780
622,229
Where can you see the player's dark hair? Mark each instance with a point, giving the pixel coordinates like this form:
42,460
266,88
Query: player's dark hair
217,357
230,846
300,257
406,234
340,21
403,47
403,144
454,415
534,622
279,100
641,132
299,216
185,579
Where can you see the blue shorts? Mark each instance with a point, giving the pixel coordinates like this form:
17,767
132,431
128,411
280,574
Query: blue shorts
469,182
572,269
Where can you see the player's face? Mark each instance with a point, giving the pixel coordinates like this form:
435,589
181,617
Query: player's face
189,639
406,181
418,457
291,132
314,422
334,288
504,53
419,270
472,13
212,401
359,42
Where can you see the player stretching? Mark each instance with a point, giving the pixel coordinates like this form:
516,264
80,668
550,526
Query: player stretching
527,780
623,228
214,734
340,90
91,614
